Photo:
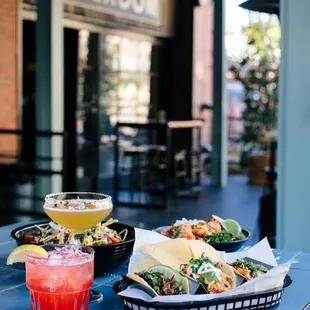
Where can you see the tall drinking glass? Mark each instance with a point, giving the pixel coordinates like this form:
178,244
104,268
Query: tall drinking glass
63,280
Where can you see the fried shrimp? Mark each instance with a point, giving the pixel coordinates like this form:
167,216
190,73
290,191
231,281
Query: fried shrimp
201,230
209,231
214,225
187,232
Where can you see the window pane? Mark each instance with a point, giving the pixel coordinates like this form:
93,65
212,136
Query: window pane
125,77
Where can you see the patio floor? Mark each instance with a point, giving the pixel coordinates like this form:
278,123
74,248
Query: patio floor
238,200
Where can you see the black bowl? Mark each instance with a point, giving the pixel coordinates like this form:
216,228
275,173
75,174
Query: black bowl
232,246
107,257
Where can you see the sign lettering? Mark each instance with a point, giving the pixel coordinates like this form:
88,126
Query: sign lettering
149,11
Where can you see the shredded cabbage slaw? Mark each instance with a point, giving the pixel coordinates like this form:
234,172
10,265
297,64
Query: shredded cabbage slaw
101,234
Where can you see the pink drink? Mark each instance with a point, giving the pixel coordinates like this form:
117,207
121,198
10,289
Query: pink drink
61,281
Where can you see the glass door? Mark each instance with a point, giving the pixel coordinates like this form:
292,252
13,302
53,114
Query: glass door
87,112
114,85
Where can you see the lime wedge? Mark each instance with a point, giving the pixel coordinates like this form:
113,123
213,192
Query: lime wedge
232,226
18,255
169,273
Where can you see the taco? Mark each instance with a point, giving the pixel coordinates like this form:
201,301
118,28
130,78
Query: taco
199,248
163,280
215,276
247,269
170,253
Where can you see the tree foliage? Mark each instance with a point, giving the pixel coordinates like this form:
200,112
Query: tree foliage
258,73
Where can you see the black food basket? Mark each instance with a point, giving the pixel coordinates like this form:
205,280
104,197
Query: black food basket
266,300
107,256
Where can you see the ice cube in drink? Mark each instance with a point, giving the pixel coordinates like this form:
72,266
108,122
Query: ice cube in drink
63,280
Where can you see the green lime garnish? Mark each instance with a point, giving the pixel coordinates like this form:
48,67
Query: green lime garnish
232,227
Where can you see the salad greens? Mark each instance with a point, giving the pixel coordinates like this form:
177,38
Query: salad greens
175,232
210,276
220,237
161,284
197,263
153,279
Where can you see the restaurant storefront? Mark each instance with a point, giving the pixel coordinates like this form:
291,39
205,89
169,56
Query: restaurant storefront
110,75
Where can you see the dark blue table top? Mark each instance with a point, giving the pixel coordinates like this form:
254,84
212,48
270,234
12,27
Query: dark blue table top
14,294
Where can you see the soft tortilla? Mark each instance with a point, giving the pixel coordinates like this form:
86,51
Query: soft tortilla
144,264
198,248
184,282
138,279
172,253
229,270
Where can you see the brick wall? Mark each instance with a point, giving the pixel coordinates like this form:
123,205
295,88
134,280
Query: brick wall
8,74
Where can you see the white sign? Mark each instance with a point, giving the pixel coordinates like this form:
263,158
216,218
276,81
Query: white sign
149,11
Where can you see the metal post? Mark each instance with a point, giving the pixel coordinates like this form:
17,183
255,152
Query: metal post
66,173
219,155
169,187
294,128
57,86
49,89
43,92
116,164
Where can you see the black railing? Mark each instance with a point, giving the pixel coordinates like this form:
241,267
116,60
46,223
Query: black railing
19,171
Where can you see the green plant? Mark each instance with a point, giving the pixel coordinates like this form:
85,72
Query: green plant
258,72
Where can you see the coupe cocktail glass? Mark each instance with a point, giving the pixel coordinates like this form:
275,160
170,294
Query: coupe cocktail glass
78,211
63,280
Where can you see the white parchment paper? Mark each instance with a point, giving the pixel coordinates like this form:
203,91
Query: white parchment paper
261,252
